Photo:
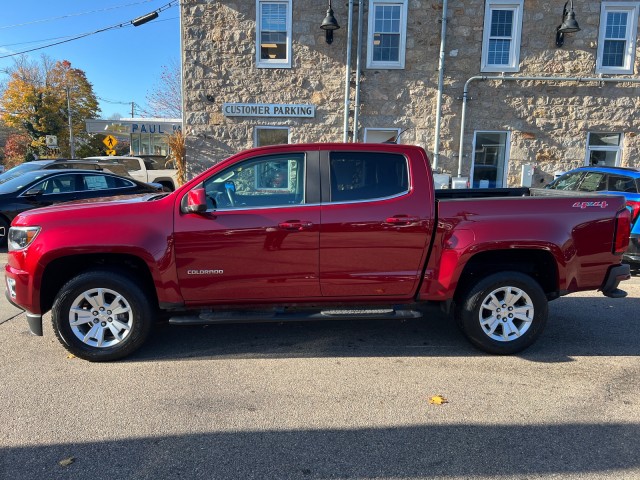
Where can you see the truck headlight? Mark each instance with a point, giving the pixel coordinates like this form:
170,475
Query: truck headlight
21,237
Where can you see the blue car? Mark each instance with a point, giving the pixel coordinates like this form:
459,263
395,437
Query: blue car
610,181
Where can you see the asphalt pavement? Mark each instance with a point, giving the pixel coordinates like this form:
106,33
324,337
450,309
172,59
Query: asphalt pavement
330,400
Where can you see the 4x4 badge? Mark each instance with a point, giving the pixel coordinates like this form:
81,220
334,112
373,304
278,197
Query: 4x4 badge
602,204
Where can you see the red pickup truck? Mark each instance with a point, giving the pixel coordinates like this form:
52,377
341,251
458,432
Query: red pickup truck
325,231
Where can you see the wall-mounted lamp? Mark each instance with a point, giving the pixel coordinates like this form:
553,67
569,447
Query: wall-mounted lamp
569,24
329,24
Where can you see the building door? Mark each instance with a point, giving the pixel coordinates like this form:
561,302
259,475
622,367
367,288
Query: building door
490,159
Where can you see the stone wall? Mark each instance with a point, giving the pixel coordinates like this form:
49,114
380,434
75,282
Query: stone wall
548,121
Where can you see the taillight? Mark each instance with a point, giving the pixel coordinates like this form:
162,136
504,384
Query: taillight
623,231
635,210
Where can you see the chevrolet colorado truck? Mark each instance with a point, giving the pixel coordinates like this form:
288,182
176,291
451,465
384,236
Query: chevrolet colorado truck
311,231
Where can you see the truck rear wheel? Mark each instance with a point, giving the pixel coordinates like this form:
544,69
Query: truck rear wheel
503,313
101,316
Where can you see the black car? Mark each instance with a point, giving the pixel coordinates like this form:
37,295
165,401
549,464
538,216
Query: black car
40,188
59,164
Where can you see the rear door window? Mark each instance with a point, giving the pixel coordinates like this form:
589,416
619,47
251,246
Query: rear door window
359,176
622,183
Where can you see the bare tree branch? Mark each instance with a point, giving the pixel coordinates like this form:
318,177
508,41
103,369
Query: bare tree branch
165,99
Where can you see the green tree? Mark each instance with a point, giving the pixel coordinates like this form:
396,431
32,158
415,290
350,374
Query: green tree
35,101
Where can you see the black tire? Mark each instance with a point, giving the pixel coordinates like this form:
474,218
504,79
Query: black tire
121,316
510,325
4,231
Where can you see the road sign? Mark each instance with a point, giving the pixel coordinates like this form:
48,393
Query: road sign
111,152
110,141
51,141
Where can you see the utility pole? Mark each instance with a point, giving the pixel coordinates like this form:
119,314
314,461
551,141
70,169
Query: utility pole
71,141
132,104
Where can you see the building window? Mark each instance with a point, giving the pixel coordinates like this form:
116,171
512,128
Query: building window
264,136
273,34
604,149
490,159
617,38
387,34
381,135
149,144
501,39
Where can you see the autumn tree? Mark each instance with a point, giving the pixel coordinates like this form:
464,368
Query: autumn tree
165,100
35,102
15,149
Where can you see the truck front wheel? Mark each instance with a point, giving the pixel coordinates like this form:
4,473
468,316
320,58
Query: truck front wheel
503,313
101,316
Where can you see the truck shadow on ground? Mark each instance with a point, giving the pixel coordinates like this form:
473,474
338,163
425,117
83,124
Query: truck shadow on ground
577,326
423,451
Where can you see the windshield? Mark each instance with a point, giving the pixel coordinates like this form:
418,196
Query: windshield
14,184
19,170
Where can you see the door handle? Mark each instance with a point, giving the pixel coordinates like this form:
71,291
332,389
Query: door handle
401,220
295,225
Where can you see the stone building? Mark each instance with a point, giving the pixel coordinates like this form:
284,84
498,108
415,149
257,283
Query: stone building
486,89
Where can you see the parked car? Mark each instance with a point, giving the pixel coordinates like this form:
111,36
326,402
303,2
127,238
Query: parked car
59,163
40,188
611,181
148,168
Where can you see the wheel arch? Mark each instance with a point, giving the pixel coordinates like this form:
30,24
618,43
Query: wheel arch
536,263
60,270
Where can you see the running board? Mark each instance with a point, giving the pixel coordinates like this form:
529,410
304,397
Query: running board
292,316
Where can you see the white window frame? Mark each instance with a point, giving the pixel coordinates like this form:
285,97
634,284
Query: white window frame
371,63
273,63
371,130
604,148
631,8
257,128
516,6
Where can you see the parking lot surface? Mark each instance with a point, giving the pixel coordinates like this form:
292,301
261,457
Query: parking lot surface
330,400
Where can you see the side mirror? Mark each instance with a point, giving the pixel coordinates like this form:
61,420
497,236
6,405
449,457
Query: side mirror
196,201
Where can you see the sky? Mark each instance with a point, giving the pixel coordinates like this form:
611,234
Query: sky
123,64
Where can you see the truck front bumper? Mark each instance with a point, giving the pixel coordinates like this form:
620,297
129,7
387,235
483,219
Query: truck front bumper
615,275
33,319
18,290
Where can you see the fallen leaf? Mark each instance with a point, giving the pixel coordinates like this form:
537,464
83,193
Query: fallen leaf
71,355
438,400
67,461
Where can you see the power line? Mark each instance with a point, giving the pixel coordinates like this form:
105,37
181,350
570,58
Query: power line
115,102
71,36
73,15
135,22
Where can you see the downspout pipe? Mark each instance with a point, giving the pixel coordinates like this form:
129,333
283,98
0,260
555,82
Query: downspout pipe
356,109
443,35
465,95
347,75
